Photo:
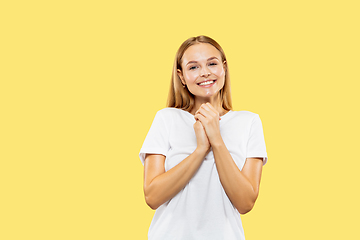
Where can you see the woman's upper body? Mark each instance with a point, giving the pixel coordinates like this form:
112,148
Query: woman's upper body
201,209
202,161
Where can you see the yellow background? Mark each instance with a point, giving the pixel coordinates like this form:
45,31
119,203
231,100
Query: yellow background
81,82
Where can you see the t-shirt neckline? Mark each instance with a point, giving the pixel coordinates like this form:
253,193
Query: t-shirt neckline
192,116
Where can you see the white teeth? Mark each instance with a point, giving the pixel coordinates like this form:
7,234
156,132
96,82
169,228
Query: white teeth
206,83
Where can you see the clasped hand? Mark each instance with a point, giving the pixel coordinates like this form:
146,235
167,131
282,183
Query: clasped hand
206,127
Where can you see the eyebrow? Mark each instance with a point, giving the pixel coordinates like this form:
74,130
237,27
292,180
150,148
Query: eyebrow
209,59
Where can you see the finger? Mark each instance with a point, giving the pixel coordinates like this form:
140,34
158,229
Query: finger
200,124
207,114
213,109
209,108
201,118
204,112
196,116
212,112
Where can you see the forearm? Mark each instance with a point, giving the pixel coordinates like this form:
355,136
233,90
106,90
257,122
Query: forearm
165,186
240,190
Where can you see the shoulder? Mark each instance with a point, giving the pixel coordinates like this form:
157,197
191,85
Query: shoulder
166,115
170,112
245,115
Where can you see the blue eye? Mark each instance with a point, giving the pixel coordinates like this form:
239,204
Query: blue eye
213,64
192,68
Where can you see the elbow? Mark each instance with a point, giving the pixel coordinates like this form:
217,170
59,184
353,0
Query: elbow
151,197
245,208
150,200
246,205
151,203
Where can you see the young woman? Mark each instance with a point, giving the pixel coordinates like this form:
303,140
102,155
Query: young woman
202,160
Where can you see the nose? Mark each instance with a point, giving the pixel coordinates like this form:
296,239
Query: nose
205,72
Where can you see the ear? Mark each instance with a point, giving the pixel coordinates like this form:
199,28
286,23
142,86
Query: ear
181,77
225,65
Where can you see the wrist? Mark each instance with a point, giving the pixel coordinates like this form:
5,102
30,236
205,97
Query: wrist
202,150
214,137
218,142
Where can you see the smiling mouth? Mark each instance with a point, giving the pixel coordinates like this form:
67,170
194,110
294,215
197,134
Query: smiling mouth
206,83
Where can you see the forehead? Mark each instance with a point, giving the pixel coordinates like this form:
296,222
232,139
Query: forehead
200,52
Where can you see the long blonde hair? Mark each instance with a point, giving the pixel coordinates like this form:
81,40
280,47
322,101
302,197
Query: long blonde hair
181,97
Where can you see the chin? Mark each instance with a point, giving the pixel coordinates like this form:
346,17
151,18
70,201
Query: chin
207,94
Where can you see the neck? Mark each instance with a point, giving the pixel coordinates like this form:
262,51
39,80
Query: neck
214,101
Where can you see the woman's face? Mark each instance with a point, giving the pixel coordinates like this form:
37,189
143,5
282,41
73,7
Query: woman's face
202,70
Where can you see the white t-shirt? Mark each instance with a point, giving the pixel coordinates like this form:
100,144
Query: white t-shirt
201,210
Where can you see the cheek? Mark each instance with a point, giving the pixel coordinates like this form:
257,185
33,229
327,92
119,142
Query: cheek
190,76
219,72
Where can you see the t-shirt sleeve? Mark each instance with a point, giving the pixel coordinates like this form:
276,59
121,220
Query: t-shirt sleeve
156,141
256,142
